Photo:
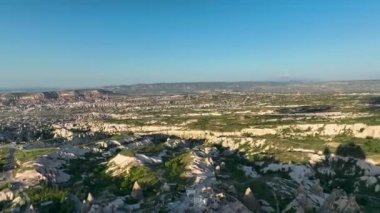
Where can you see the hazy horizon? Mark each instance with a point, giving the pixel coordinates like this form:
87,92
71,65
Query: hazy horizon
47,89
72,44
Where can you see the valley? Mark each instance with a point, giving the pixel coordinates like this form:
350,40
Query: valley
209,150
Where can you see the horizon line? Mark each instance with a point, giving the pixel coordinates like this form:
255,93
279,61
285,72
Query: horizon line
51,89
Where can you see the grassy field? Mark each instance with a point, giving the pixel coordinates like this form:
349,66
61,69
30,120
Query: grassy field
372,120
27,155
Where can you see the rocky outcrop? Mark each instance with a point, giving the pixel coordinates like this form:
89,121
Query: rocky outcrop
359,130
6,195
338,201
30,177
121,164
54,96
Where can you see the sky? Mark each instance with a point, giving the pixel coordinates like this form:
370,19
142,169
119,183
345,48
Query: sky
91,43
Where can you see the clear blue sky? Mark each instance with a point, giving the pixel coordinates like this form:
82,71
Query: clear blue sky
94,43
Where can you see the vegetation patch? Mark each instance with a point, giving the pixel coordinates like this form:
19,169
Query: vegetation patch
31,154
5,205
3,157
151,149
144,176
57,196
176,167
127,152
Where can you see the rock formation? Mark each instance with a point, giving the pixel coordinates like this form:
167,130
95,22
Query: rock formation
250,201
137,191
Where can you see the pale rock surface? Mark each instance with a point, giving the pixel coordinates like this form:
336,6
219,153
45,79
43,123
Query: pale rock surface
6,195
120,164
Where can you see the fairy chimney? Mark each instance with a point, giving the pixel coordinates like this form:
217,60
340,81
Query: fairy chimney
137,191
250,201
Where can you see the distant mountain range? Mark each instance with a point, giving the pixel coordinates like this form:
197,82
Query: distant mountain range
16,90
275,87
361,86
